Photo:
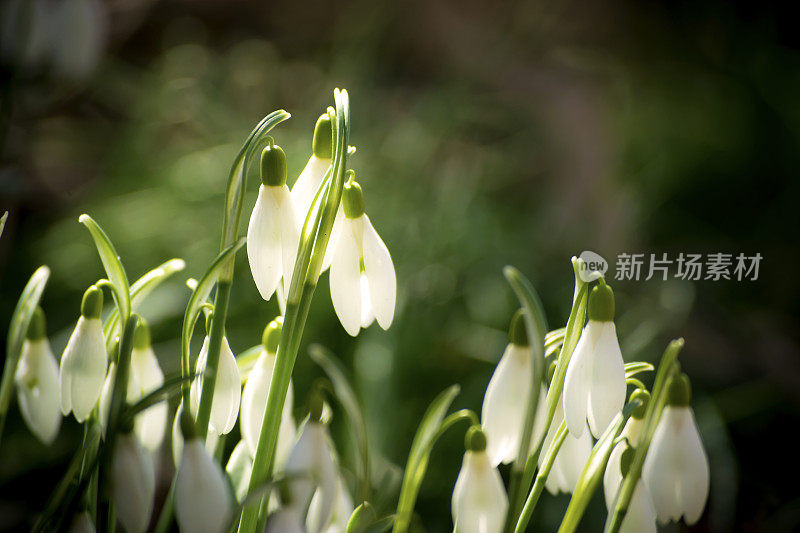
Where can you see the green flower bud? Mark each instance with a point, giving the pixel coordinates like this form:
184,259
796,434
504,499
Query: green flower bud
272,335
322,145
37,329
141,335
363,516
601,303
626,460
517,333
188,427
92,303
475,439
644,396
273,165
679,392
353,198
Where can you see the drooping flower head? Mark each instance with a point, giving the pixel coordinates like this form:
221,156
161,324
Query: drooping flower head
273,234
145,377
36,378
676,467
312,175
362,279
571,457
479,501
83,364
594,385
132,482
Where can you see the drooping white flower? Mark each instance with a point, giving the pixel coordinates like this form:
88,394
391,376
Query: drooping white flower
676,469
342,509
305,188
507,395
83,364
132,483
571,457
203,503
594,385
612,477
272,235
479,500
363,282
310,467
177,438
36,378
82,523
254,399
285,520
227,389
145,377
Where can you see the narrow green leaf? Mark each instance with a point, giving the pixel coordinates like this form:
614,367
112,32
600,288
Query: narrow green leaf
167,390
111,264
3,222
347,398
637,367
419,456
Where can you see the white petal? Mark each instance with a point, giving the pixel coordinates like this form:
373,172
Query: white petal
367,315
290,233
345,277
503,412
227,389
132,483
239,469
479,501
264,243
146,376
641,517
612,476
312,464
577,382
379,270
177,438
572,457
38,389
83,368
661,471
336,230
286,520
607,392
305,188
694,470
202,500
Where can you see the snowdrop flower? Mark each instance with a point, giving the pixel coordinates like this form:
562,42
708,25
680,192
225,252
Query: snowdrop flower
37,382
305,188
177,438
272,235
507,394
254,399
479,501
285,520
594,386
82,523
83,364
310,466
239,469
227,389
132,483
362,279
203,503
676,467
571,457
145,377
342,510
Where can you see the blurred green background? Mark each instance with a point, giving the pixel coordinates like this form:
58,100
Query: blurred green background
488,134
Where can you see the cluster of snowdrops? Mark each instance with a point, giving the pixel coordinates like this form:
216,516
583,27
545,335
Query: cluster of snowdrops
562,407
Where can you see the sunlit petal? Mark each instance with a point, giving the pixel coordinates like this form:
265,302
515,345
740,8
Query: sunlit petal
345,277
379,269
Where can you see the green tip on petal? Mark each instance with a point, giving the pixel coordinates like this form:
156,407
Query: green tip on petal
188,427
601,303
315,405
141,335
680,391
322,145
37,329
475,439
353,198
626,460
272,335
517,333
644,396
92,303
273,165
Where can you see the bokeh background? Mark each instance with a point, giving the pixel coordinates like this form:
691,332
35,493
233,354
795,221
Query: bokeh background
488,134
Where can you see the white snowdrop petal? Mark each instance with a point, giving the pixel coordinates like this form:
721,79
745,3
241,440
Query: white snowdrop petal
177,438
479,500
367,315
572,457
336,230
577,382
503,411
38,389
202,500
379,270
661,468
227,389
694,469
607,389
83,368
345,277
612,477
285,520
305,188
146,376
132,483
640,517
311,461
290,233
239,469
264,243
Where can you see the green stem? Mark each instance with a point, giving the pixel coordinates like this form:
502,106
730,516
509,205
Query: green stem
541,478
658,399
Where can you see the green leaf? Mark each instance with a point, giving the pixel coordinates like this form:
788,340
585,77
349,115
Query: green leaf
637,367
420,453
167,390
347,398
112,265
139,291
238,469
3,222
195,305
20,321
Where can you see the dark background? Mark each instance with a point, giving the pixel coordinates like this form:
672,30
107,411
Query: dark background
488,134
